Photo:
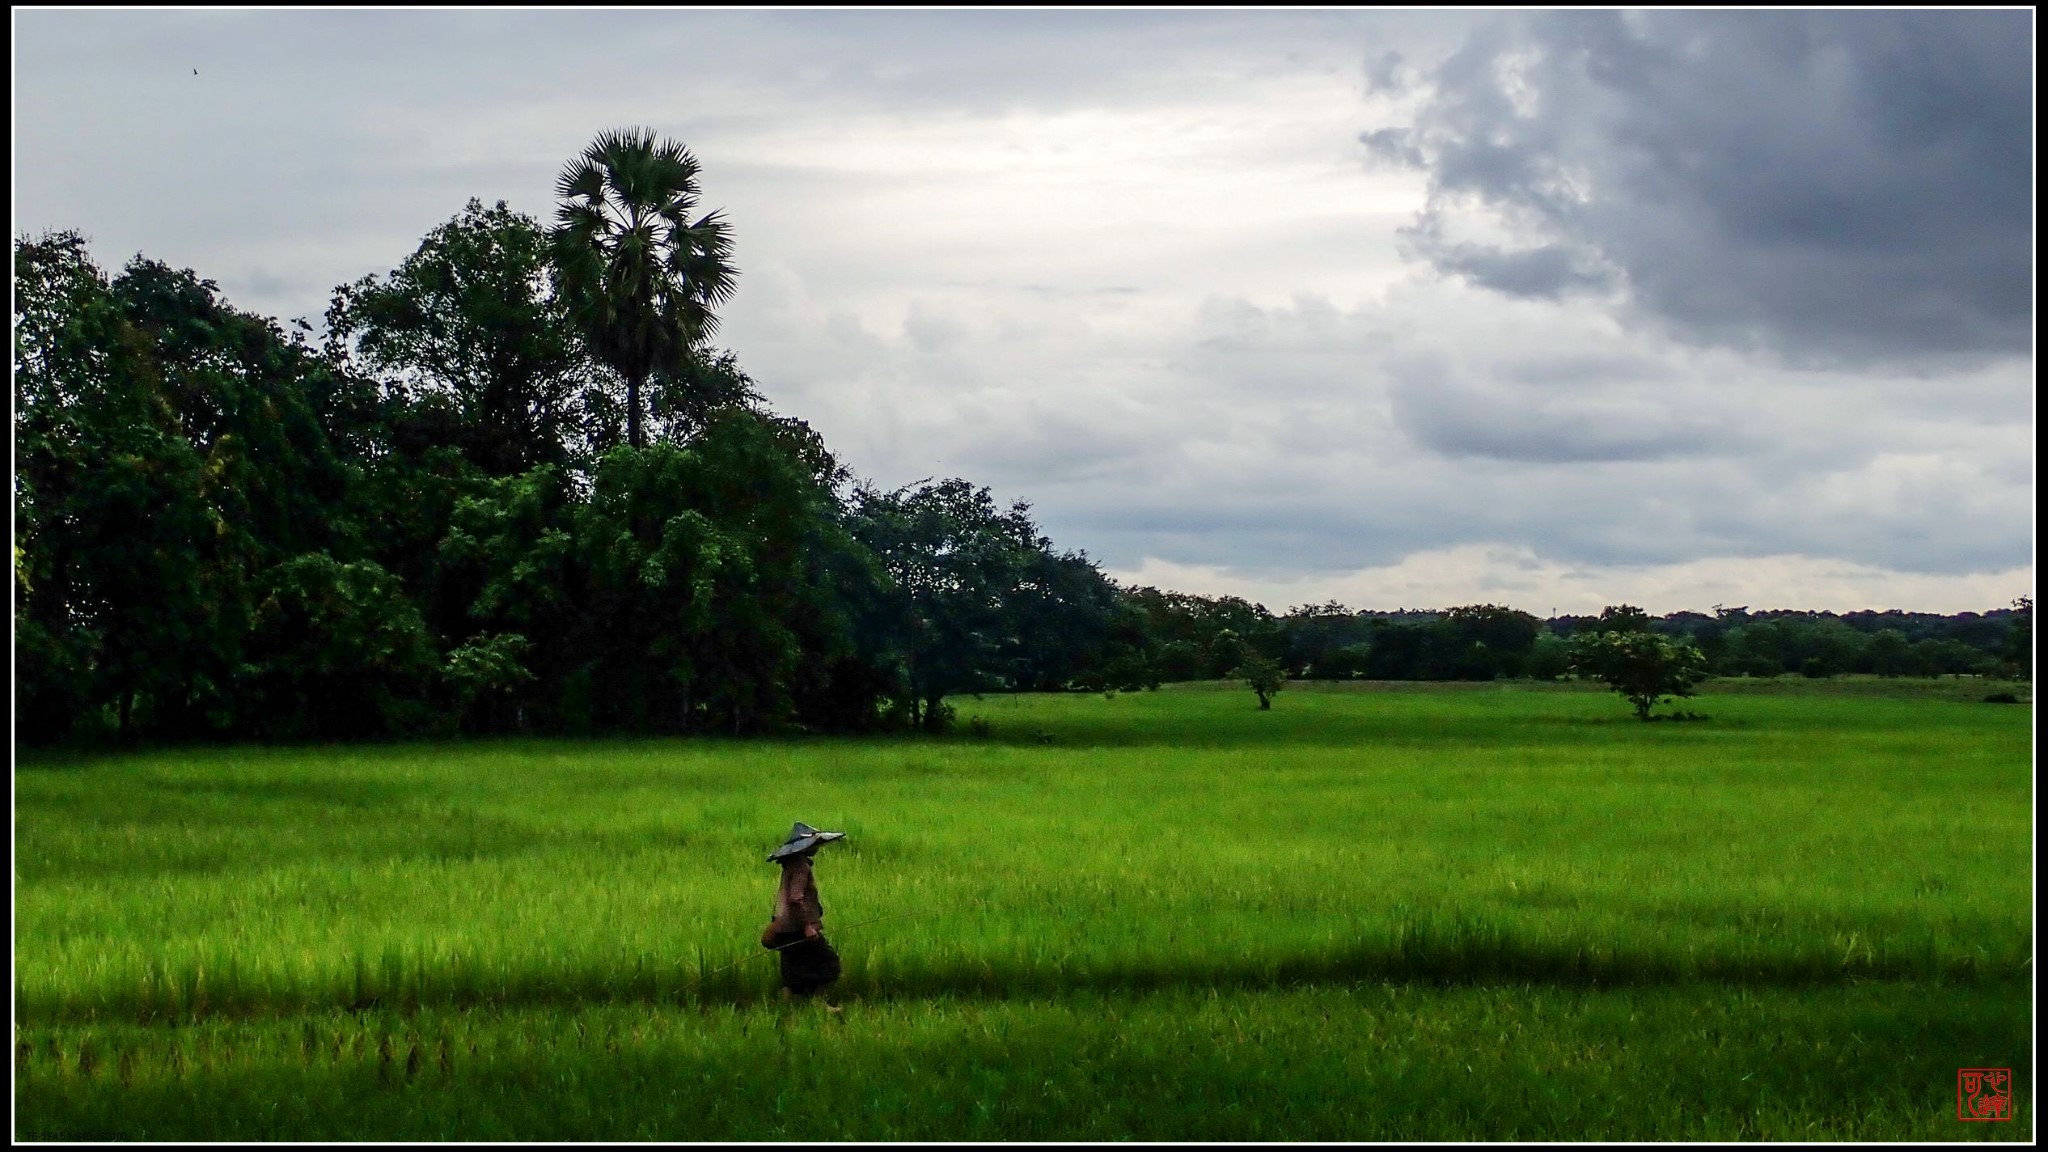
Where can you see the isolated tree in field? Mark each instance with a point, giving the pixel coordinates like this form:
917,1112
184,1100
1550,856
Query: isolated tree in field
640,272
1642,666
1263,675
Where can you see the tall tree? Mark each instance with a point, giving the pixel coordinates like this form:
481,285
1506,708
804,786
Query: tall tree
641,276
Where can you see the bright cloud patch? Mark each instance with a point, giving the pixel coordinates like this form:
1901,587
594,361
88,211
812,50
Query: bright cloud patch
1518,578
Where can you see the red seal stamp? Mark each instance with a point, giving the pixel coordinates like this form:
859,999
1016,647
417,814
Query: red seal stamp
1983,1093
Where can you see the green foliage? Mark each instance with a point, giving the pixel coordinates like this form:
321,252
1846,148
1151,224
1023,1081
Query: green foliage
337,651
1500,629
954,561
1952,658
705,589
170,451
1323,641
1642,666
1622,618
1472,642
1487,641
469,331
1262,674
1182,628
1550,657
1067,625
97,458
1478,642
1738,642
2019,645
226,531
484,674
685,396
1888,654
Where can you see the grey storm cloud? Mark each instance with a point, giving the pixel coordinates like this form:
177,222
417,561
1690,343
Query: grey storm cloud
1830,186
1305,437
1630,289
1467,418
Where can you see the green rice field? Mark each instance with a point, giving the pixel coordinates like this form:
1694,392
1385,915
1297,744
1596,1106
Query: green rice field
1377,912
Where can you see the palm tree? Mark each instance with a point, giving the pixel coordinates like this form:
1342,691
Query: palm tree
640,277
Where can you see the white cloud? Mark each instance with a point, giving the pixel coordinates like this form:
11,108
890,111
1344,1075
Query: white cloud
1518,578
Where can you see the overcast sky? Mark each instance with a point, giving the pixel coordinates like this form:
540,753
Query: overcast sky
1403,309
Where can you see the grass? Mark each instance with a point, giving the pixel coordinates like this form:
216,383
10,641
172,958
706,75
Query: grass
1434,908
1375,1061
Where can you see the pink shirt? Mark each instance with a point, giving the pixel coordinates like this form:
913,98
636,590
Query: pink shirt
796,898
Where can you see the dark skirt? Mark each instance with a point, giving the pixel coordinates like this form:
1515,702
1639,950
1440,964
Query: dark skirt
808,966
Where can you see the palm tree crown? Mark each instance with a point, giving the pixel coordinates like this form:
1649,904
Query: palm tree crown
640,276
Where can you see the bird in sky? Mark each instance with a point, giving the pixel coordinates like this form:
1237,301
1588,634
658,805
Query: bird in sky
195,71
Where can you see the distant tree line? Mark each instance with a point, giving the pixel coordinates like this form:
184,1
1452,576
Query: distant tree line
513,487
1489,642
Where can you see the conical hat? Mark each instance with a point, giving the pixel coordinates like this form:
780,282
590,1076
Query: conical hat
803,838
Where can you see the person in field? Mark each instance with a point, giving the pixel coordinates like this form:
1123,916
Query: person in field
796,932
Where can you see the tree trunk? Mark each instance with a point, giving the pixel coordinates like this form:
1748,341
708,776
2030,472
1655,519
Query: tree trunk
633,433
1265,702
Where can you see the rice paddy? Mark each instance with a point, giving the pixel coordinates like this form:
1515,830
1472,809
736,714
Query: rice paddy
1375,912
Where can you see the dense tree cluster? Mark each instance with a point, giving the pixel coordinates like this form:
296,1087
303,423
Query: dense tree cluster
451,513
514,488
